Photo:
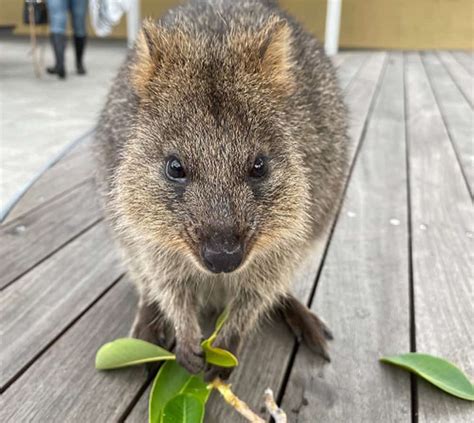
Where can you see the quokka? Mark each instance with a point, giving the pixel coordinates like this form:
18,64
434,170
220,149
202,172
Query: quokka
222,153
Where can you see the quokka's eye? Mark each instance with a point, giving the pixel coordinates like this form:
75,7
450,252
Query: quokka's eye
175,170
259,168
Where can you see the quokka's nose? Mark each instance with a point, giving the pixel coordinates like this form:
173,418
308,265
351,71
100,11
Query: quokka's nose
222,253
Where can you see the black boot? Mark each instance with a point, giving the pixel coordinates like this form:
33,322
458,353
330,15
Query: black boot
80,44
58,42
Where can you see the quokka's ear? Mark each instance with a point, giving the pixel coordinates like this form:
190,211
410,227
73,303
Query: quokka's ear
149,47
268,52
275,53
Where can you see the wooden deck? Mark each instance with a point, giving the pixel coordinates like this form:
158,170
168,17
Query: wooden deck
394,274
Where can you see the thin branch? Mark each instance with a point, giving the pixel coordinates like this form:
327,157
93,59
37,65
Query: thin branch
277,413
230,398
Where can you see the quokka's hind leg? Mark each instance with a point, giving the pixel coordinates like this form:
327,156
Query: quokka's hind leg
306,326
150,325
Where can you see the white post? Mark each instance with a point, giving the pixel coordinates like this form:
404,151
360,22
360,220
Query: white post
133,21
333,22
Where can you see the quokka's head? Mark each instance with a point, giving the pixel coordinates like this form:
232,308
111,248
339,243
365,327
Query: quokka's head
212,168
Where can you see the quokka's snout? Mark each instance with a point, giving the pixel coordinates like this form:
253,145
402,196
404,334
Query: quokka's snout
222,251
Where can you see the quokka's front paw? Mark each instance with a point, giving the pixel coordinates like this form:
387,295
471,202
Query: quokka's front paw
152,327
191,357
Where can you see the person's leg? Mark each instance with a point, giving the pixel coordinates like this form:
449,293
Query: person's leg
57,11
79,12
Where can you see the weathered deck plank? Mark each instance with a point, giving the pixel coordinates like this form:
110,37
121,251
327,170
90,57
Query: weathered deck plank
352,64
460,75
63,385
27,240
275,340
39,306
458,116
72,170
466,59
442,222
366,268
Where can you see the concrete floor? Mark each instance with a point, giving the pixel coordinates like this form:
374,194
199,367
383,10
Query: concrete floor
41,117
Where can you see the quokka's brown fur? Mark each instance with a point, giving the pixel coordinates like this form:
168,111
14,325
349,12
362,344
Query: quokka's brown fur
217,84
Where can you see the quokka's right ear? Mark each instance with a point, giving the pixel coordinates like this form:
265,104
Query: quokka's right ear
149,53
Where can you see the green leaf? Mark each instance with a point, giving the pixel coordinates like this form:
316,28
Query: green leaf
197,387
170,381
125,352
217,328
220,321
219,356
439,372
184,408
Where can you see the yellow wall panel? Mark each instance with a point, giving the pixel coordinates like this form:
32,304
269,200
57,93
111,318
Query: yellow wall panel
397,24
407,24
